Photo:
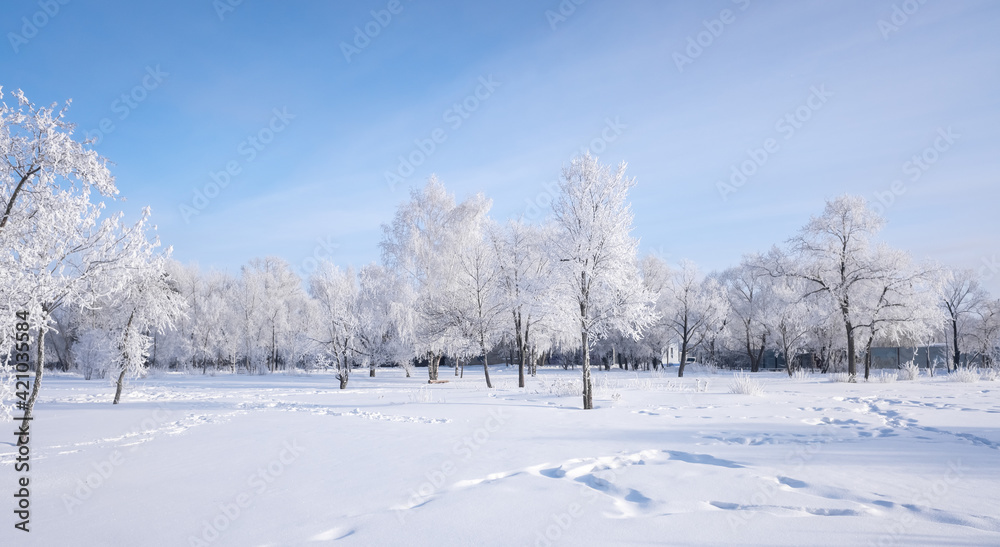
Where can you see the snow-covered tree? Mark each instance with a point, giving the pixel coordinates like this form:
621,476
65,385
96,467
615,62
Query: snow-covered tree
525,272
335,292
791,319
419,246
986,332
900,304
145,301
593,244
93,349
834,253
53,238
279,295
477,298
694,306
379,330
962,296
750,298
658,335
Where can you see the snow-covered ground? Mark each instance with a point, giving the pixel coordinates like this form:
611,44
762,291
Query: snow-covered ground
291,460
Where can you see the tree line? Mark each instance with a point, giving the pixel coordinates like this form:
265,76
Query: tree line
453,284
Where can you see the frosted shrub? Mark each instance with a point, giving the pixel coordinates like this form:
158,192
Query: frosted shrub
838,377
800,374
422,395
566,387
703,368
908,371
884,377
965,375
642,384
743,384
991,374
605,388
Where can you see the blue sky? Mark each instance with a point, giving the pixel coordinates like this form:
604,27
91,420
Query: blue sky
610,75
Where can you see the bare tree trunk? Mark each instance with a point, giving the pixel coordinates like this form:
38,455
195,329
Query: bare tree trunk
486,368
755,358
868,359
588,395
954,337
684,353
432,366
520,369
522,350
344,369
125,358
852,365
39,371
118,388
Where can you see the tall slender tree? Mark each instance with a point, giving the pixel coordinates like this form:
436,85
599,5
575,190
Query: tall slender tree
594,245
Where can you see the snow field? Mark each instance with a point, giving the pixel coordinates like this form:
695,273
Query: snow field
292,460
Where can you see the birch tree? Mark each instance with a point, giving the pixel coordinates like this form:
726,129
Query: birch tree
379,332
419,247
525,272
478,301
593,244
336,294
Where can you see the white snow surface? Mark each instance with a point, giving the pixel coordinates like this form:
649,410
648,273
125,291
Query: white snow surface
394,461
